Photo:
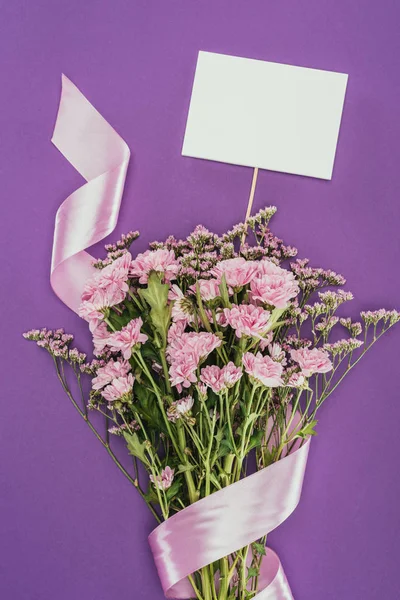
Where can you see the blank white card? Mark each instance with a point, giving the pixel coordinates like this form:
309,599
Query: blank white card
266,115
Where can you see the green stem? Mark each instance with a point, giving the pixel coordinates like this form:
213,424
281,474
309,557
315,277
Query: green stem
193,493
103,443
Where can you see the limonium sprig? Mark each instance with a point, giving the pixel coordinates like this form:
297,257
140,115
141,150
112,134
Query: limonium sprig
205,350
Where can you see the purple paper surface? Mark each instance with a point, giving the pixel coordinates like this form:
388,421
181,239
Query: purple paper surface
71,527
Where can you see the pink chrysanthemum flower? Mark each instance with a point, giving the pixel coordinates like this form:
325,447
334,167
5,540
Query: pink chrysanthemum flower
182,372
277,353
176,330
267,339
161,261
124,341
180,408
92,312
185,351
220,379
112,370
267,266
198,345
105,289
296,380
213,377
116,274
100,338
273,286
209,288
163,481
312,360
238,271
263,369
178,308
248,319
119,389
231,374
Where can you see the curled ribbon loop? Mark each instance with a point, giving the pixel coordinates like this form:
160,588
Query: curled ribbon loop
228,520
90,213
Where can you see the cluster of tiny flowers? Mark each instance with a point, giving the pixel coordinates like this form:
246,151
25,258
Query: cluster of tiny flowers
56,342
120,429
311,278
100,263
354,328
256,253
343,347
76,357
125,241
263,216
275,246
197,254
332,300
91,368
268,245
202,250
227,250
325,325
313,310
292,341
373,317
195,265
236,232
116,250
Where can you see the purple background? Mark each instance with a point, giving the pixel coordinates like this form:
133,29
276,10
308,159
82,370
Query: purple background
71,527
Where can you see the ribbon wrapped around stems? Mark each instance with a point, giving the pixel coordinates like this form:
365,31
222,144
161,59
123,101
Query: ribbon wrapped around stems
90,213
227,521
235,516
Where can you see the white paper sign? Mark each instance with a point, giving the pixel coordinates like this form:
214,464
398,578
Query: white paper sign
266,115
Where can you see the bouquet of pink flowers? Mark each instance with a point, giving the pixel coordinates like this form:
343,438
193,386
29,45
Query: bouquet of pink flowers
209,350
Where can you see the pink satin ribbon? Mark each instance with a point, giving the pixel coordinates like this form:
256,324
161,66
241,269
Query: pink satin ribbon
228,520
90,213
235,516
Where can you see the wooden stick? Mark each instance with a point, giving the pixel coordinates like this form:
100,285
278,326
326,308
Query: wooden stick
251,199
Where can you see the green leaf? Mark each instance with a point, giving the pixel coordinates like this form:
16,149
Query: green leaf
173,490
184,468
252,572
147,407
223,288
252,417
275,325
202,312
136,447
151,495
119,321
309,429
275,315
225,448
259,548
147,351
156,296
133,310
219,436
268,456
256,439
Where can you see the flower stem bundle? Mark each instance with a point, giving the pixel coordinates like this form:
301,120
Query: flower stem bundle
208,351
